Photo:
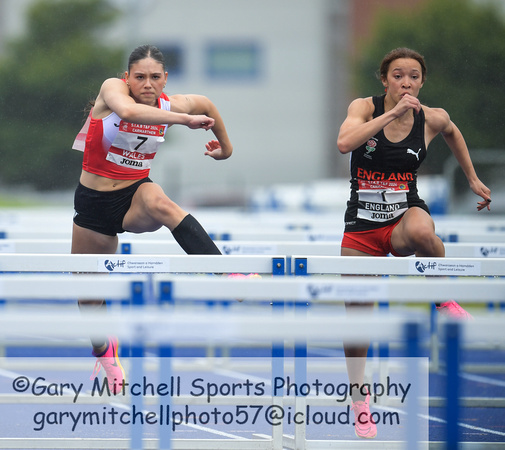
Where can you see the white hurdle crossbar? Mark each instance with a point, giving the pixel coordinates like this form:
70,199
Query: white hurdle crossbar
359,265
317,289
253,234
302,265
132,245
93,263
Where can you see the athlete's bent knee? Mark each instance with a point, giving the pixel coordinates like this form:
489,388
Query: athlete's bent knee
428,243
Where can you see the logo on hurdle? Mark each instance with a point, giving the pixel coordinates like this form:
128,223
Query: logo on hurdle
317,291
111,265
487,252
228,250
421,267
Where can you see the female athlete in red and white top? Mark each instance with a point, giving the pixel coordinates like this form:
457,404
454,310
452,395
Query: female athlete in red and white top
126,125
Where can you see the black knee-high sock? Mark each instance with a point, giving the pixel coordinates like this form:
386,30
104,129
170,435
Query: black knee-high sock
193,239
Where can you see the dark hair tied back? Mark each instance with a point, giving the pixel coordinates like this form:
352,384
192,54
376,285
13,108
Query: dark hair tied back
146,51
401,52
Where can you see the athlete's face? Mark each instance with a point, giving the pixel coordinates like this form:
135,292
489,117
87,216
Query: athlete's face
404,77
146,80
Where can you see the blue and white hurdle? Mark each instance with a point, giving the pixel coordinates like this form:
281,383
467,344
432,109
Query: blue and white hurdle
132,245
240,225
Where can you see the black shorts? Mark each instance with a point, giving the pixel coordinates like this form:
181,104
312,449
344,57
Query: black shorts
104,212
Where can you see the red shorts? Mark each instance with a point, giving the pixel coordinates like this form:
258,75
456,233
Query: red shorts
374,242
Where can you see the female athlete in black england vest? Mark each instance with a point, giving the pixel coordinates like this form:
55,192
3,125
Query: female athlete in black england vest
388,138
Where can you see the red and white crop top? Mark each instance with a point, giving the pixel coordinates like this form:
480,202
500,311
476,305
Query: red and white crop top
117,149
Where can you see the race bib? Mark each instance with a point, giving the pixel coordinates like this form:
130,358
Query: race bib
381,201
136,145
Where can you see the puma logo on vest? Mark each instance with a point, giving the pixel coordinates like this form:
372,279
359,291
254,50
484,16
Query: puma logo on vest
412,152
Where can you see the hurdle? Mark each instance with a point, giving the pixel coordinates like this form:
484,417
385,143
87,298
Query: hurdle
32,219
254,226
114,263
132,245
349,265
152,324
323,235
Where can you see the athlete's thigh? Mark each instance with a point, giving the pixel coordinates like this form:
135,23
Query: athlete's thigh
139,217
415,222
151,209
88,241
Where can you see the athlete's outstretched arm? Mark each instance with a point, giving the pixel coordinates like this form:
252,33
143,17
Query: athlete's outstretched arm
199,104
454,138
114,96
457,144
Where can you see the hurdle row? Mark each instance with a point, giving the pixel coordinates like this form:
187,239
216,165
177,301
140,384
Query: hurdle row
216,219
310,244
168,327
255,234
265,264
258,226
277,265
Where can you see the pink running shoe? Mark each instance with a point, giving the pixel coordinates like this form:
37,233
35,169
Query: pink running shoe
364,426
114,372
453,310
